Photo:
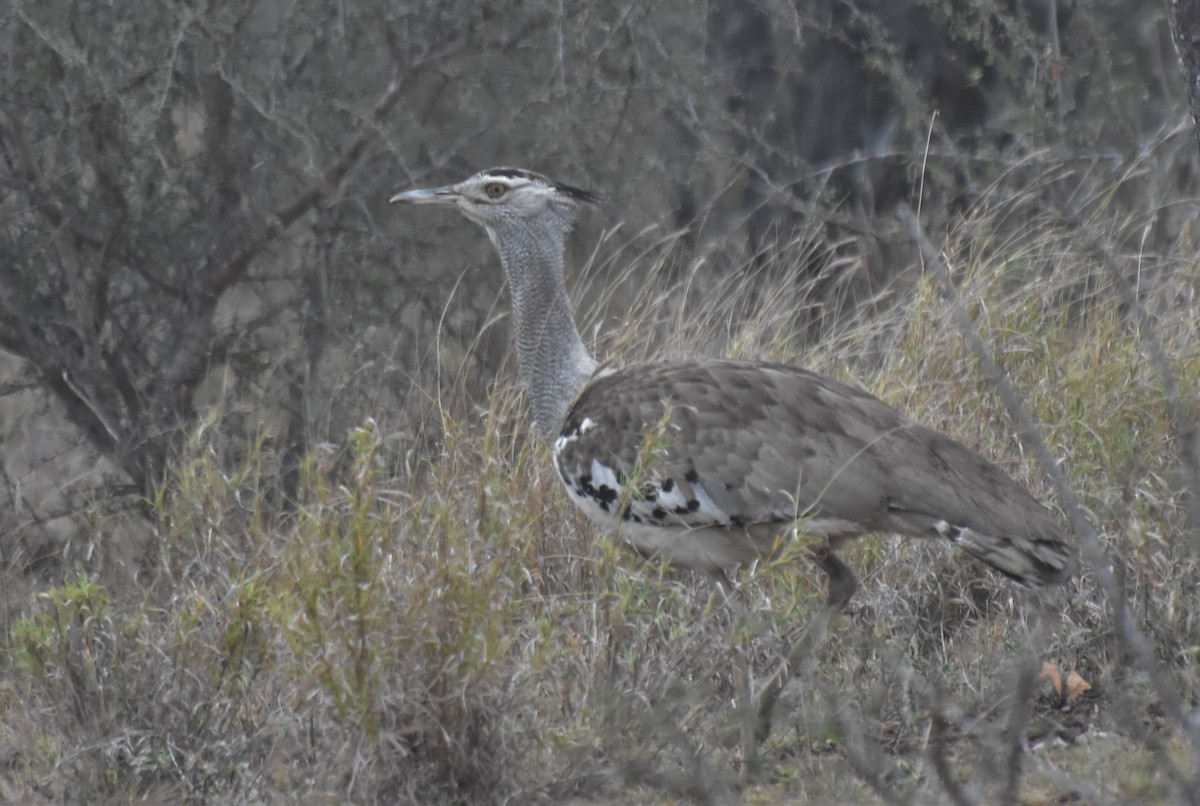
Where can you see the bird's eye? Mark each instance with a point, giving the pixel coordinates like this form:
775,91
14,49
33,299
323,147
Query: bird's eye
495,190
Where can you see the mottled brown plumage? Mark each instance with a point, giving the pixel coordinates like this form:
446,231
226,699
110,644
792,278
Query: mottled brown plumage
711,463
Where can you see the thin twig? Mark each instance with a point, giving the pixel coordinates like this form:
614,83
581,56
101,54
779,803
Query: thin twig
110,425
1018,719
1183,425
939,751
865,759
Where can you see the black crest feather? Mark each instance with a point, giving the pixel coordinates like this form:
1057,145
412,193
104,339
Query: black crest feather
578,194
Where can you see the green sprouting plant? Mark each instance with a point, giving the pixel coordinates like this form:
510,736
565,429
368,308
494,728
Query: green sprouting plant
73,615
381,585
336,589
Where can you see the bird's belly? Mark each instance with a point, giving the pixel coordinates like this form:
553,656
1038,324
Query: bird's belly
699,548
713,548
723,543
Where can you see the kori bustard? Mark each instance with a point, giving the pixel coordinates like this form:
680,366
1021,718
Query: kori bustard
709,463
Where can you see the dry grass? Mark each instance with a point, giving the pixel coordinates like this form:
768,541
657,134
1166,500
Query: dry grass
445,629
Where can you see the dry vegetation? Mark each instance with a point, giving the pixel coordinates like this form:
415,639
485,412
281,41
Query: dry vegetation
443,628
201,285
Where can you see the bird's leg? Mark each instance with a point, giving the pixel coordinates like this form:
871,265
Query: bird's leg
800,659
723,584
842,581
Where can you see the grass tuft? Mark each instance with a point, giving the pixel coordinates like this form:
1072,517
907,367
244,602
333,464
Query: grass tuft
440,626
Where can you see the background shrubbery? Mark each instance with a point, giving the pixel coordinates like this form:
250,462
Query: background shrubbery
276,528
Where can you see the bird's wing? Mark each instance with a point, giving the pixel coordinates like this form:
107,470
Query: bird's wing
733,443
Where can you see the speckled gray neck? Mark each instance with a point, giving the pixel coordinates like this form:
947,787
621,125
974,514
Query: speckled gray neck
554,364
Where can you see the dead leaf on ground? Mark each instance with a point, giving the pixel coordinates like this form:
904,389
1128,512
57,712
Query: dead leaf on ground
1075,686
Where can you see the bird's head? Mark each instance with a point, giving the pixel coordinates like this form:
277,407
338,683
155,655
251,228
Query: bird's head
499,198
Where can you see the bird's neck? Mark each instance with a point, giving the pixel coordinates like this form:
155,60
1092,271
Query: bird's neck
554,363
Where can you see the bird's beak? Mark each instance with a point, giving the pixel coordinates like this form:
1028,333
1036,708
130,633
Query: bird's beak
442,195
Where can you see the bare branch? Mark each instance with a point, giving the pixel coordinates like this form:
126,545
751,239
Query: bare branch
110,425
191,333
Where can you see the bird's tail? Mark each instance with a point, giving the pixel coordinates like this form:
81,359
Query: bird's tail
1029,560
